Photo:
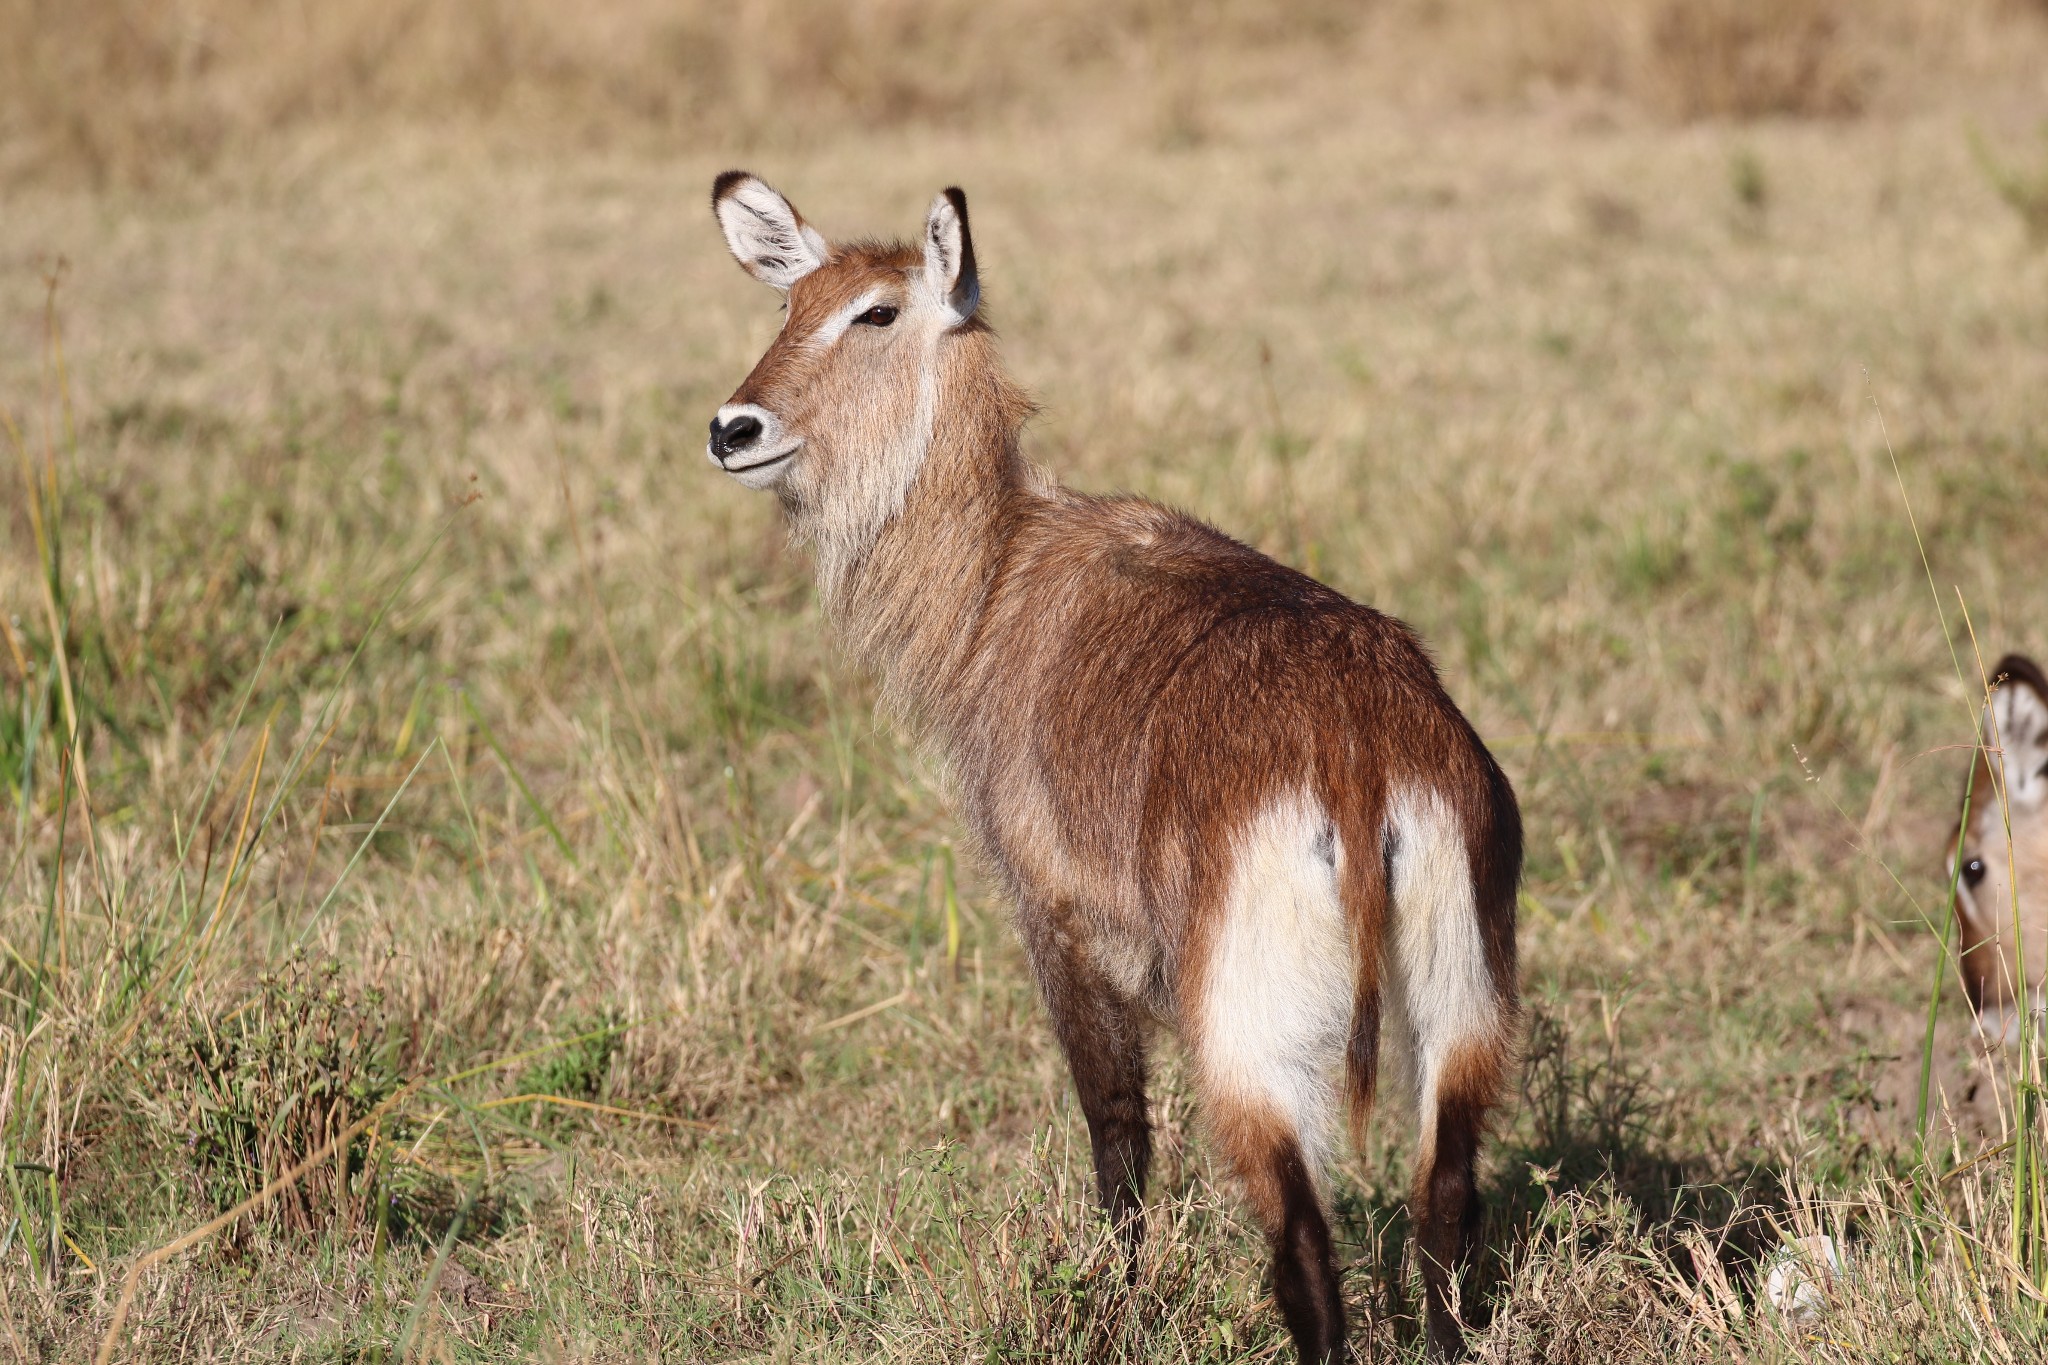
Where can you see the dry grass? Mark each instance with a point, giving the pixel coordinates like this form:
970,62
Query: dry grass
2022,183
455,740
128,91
1740,59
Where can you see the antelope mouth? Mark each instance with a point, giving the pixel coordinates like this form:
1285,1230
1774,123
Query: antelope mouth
777,458
756,472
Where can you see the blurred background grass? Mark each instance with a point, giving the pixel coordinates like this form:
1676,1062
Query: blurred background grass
399,712
125,91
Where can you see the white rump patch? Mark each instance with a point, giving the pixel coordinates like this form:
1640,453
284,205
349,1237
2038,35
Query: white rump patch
1276,1006
767,235
1439,987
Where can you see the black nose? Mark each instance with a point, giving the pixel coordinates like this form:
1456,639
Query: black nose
729,438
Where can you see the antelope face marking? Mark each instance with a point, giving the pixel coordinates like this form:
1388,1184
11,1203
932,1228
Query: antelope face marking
837,414
2001,902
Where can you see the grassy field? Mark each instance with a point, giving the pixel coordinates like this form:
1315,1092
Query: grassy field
419,761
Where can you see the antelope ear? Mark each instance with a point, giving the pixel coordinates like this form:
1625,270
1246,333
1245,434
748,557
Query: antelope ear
2016,723
949,254
768,237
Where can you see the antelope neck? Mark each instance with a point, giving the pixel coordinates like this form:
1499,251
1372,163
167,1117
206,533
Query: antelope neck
912,607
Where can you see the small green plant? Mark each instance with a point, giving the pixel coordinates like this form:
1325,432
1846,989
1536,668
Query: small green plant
252,1092
575,1069
1751,187
2024,188
1764,512
1651,556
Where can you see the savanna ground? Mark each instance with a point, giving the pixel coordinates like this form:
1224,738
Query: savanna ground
409,739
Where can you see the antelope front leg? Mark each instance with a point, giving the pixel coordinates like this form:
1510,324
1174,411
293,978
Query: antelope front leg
1104,1041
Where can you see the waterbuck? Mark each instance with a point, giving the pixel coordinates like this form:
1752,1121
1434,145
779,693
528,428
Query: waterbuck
2002,883
1222,797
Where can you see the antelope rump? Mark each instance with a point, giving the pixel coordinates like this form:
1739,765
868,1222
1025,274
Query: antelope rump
1222,798
2000,853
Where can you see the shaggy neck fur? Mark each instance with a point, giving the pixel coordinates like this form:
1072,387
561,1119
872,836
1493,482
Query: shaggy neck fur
909,602
871,478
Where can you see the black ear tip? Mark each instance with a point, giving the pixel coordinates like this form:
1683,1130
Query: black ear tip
2021,669
726,183
957,197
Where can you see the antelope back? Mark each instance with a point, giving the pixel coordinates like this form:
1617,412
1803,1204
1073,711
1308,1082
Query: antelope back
2000,855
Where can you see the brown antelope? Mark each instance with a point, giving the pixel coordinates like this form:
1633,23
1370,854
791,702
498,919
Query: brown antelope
1222,797
2002,882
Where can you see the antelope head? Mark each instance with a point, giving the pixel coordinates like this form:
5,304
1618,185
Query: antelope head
837,416
1999,861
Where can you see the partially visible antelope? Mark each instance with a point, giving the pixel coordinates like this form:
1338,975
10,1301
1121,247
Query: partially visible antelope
2002,882
1222,797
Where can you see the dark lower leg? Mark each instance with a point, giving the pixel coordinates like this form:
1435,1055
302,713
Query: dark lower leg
1112,1093
1447,1220
1104,1042
1305,1281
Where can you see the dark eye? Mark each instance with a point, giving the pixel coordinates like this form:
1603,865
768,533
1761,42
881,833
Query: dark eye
881,315
1973,872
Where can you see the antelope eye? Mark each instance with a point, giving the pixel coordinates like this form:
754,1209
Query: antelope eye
881,315
1973,871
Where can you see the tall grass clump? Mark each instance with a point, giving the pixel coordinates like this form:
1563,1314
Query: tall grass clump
275,1079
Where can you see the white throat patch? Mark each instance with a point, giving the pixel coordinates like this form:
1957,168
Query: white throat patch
871,491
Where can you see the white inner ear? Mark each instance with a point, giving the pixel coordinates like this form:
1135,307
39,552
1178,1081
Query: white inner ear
2017,722
942,251
767,236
